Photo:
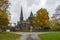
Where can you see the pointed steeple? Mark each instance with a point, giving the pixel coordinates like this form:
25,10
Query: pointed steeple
31,15
21,15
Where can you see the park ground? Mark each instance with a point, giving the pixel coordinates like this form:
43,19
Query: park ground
34,35
50,36
8,36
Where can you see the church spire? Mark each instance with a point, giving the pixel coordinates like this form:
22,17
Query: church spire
31,15
21,15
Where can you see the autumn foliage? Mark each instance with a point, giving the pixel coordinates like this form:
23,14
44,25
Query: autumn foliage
3,19
4,5
3,13
41,19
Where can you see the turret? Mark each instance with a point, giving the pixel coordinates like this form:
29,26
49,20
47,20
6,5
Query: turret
31,15
21,15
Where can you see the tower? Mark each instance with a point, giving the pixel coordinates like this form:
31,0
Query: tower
31,15
30,18
21,15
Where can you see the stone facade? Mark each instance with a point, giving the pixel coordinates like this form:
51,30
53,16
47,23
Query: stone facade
24,25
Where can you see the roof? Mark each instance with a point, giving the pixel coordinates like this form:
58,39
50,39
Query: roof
25,22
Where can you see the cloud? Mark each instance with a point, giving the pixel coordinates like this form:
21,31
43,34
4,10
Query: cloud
51,5
31,2
31,5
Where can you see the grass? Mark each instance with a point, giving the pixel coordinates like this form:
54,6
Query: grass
8,36
50,36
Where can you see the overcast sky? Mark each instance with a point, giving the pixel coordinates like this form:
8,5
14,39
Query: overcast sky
30,5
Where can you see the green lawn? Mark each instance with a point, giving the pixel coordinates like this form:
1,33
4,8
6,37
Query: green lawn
50,36
8,36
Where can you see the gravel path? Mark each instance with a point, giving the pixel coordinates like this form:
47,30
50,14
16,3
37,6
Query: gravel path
24,37
29,35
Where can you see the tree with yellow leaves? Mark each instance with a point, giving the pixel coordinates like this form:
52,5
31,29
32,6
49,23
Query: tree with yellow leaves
41,19
3,13
3,19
